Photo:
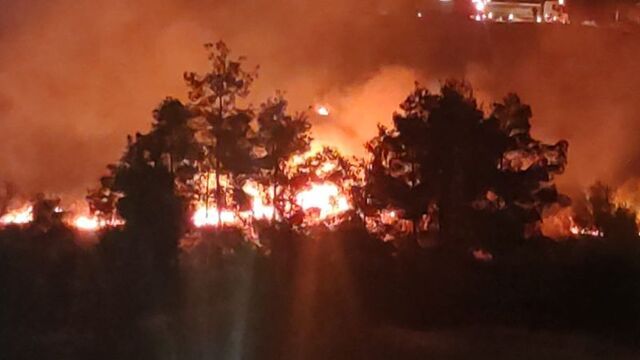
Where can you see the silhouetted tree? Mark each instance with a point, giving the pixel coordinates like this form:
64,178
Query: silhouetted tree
615,221
600,201
527,166
103,199
46,211
154,223
226,127
445,161
174,134
280,137
142,258
392,178
171,143
179,148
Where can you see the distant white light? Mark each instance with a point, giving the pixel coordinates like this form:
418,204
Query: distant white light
482,255
419,14
322,110
511,17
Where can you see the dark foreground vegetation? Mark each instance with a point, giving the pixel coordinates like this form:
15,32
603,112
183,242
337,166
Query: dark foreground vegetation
308,296
469,188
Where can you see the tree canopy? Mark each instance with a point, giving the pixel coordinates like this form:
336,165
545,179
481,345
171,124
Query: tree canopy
445,162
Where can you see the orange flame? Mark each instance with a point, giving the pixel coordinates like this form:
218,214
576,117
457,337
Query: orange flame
204,217
259,210
325,197
86,223
24,215
93,223
20,216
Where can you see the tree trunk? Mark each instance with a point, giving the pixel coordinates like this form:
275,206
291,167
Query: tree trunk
276,209
218,190
206,196
218,193
415,222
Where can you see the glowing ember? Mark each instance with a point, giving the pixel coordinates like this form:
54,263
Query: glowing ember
21,216
389,217
576,230
325,197
322,110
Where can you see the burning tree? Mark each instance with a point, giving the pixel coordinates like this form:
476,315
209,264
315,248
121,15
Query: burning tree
597,213
245,156
280,137
444,164
320,186
171,144
103,199
225,129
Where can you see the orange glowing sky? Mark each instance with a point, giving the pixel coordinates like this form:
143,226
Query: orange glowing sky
79,76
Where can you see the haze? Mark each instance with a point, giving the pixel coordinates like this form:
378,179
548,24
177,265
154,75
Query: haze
78,76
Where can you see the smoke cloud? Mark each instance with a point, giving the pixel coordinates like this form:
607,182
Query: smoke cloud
78,76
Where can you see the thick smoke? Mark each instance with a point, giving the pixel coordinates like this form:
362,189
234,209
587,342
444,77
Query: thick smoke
78,76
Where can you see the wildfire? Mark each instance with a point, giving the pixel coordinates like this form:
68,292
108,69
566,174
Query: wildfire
206,215
20,216
210,216
93,223
259,210
24,215
319,189
318,201
86,223
326,198
315,195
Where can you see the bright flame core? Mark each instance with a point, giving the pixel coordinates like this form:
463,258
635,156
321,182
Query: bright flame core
21,216
86,223
204,217
325,197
